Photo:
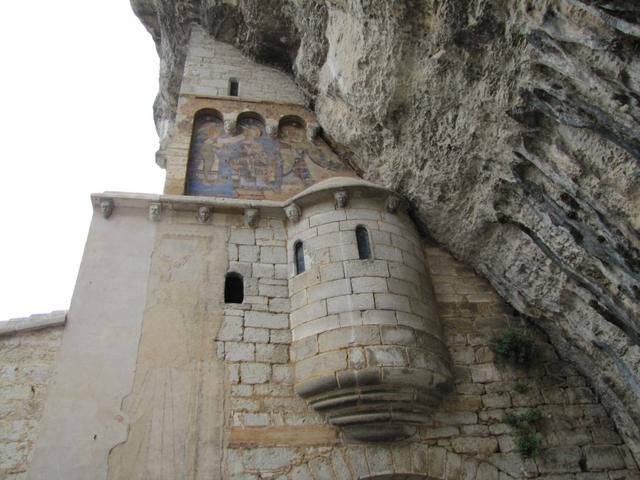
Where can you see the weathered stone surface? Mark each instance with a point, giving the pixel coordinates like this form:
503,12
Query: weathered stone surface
513,127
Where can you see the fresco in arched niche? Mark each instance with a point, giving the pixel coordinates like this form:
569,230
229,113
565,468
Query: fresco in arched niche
249,164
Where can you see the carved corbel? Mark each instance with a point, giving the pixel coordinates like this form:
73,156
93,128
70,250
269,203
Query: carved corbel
251,216
313,131
341,197
272,130
392,203
292,211
230,125
106,207
204,214
155,211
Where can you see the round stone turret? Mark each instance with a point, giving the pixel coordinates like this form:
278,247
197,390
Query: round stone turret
367,342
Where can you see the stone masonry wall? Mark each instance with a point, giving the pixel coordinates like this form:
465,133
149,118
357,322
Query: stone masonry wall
210,64
27,363
271,433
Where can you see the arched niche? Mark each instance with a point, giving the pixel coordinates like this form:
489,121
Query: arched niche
251,125
208,124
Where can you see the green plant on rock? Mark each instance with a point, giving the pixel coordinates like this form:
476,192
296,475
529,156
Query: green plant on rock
516,346
527,438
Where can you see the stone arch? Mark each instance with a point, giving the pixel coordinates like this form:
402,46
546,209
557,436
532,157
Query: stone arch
292,120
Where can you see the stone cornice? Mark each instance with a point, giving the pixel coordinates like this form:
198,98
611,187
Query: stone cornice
33,322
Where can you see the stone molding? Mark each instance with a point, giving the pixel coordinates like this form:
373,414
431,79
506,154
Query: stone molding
34,322
267,208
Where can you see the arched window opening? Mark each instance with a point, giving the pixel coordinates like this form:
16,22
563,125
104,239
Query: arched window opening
298,253
234,86
364,246
233,288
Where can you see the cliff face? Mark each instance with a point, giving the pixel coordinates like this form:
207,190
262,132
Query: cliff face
513,126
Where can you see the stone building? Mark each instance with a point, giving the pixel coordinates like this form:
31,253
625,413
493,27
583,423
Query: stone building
273,315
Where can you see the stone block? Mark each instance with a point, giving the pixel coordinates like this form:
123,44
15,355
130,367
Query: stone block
484,373
266,320
369,285
321,468
402,287
379,317
239,352
433,433
402,272
603,457
331,271
323,364
263,270
304,348
345,303
231,330
315,327
280,336
396,335
269,459
273,291
436,462
384,252
366,268
487,471
329,289
281,271
327,217
496,400
308,313
273,255
514,465
559,460
282,374
254,373
248,253
242,236
279,305
348,337
272,353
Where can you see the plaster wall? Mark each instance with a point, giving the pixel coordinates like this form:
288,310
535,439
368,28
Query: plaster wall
176,403
83,418
210,64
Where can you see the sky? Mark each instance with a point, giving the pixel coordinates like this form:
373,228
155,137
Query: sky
78,82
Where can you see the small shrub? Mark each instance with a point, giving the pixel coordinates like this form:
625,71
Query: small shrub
515,346
527,438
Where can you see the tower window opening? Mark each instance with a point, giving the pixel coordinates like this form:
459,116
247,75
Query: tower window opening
364,246
233,87
298,253
233,288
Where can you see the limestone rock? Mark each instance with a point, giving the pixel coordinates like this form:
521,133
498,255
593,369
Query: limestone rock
513,126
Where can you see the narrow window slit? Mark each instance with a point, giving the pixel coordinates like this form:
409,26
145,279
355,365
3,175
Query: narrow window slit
298,252
233,87
233,288
364,246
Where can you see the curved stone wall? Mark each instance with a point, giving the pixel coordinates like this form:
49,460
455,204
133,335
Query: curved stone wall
367,341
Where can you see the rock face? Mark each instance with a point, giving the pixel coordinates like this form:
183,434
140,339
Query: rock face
512,126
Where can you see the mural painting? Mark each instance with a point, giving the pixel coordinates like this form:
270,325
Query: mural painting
249,164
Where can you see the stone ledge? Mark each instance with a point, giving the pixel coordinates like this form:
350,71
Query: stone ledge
33,322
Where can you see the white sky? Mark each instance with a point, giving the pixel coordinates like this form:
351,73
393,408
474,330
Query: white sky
78,82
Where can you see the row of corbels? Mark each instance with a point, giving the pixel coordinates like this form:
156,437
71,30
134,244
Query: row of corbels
251,215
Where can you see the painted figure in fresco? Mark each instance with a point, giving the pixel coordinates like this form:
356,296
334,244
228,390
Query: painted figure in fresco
248,160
